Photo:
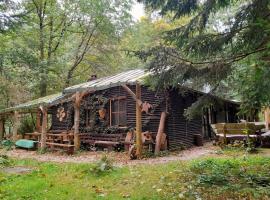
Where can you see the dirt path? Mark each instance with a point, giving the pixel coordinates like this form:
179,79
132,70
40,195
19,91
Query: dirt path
119,158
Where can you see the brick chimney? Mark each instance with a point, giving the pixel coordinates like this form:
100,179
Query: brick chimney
92,77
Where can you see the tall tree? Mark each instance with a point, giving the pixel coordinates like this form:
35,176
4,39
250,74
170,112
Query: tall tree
210,46
59,40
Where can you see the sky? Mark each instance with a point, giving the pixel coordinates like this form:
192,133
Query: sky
137,11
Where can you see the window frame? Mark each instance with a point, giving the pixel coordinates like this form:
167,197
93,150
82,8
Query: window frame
118,113
87,111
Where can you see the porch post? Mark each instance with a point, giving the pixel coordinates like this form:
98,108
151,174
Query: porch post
38,126
43,128
267,117
77,121
15,125
138,123
1,128
160,132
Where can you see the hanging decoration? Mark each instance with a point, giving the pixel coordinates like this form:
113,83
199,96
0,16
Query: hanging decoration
61,114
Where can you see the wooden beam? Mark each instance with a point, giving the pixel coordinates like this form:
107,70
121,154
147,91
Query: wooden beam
77,104
38,118
138,123
15,125
44,127
160,132
134,96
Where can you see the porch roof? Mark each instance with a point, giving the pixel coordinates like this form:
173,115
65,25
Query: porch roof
129,77
47,100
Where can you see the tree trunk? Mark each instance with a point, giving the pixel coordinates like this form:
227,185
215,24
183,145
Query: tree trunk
138,123
43,73
43,128
15,125
77,121
1,129
160,132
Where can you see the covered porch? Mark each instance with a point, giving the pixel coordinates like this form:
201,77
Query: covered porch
37,133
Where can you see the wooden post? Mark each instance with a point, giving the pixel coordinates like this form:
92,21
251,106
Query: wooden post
225,134
1,128
77,121
44,127
15,125
129,91
138,123
160,132
267,118
38,126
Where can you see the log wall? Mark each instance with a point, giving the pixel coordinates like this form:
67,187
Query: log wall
67,122
178,129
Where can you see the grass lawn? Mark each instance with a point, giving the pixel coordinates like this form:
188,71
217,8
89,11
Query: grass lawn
229,175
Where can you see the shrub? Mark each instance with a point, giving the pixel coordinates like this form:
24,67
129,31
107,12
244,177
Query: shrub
7,144
232,173
215,178
4,161
27,125
105,164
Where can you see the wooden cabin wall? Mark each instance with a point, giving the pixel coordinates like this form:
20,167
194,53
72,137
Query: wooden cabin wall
67,122
180,130
149,122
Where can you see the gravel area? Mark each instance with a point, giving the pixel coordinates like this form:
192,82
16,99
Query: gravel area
120,158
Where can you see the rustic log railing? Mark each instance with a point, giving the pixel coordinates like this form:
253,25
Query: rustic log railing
43,128
15,125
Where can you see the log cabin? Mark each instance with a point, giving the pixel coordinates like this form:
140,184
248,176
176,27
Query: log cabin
107,111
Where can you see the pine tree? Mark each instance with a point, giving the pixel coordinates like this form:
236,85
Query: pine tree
221,36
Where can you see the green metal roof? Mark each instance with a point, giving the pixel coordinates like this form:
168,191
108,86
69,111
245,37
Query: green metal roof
47,100
129,77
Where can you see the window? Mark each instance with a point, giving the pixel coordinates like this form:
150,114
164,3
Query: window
89,117
118,114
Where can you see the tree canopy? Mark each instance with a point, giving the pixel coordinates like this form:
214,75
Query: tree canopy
47,45
223,43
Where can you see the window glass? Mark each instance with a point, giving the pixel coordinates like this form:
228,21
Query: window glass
118,112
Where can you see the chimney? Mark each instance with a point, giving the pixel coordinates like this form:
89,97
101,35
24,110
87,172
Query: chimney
92,77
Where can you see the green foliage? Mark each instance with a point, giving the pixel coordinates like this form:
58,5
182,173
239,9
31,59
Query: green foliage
229,173
7,144
4,161
221,38
105,164
247,179
250,81
27,125
58,44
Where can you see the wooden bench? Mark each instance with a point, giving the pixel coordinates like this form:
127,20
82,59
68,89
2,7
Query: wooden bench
32,136
60,139
236,131
109,141
68,147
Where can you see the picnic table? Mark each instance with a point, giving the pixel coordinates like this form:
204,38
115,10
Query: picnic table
237,131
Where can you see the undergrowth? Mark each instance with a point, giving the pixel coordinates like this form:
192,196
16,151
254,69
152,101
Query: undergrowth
4,161
105,164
